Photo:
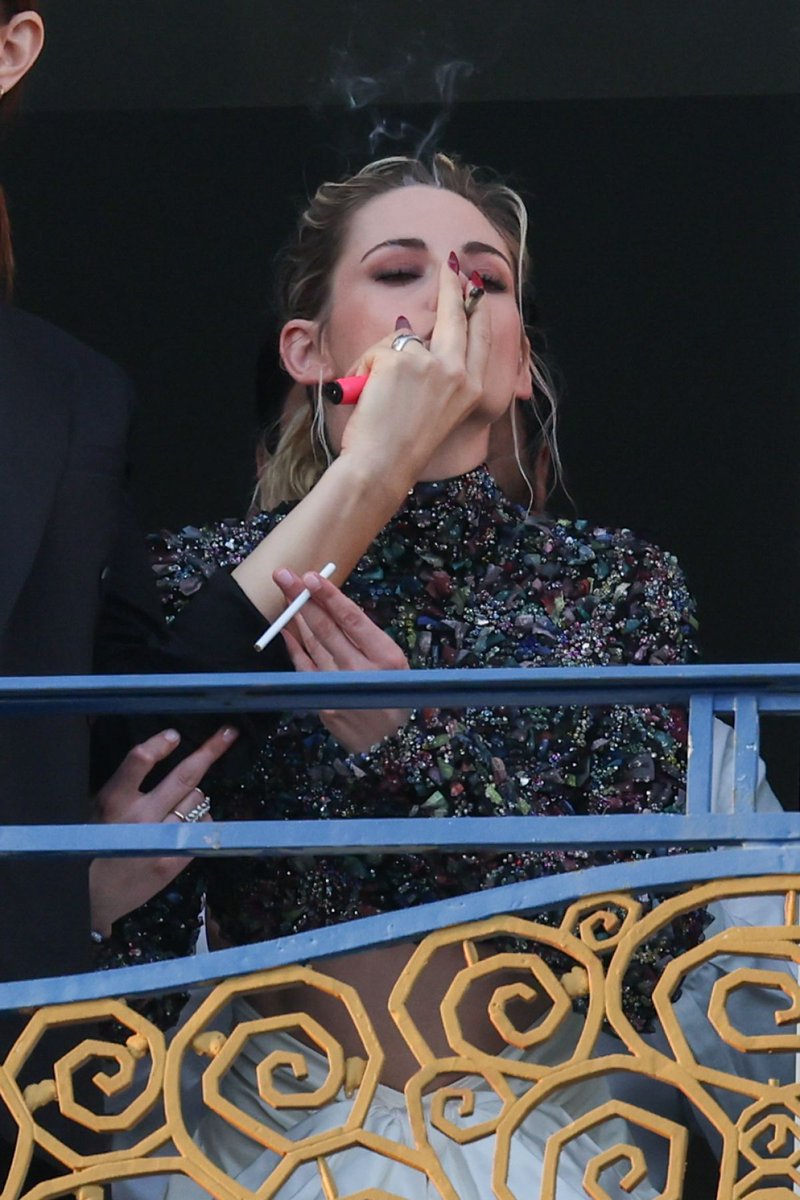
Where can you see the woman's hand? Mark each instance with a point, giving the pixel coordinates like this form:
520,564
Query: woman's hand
414,399
417,396
333,634
119,885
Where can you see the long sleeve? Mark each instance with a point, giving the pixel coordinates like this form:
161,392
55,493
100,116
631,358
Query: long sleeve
198,619
171,607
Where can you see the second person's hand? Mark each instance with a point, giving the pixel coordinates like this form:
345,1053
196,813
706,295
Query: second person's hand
119,885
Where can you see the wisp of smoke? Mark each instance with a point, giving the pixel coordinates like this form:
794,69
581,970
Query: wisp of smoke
365,92
447,76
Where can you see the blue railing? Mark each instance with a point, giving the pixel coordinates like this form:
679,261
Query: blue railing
743,691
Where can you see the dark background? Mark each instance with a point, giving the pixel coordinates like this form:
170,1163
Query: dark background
165,144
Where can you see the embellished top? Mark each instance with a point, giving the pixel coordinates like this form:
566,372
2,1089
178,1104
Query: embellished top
459,577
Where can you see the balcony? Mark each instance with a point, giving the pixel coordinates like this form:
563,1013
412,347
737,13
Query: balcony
748,860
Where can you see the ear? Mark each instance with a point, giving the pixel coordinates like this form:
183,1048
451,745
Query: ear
21,41
302,354
524,388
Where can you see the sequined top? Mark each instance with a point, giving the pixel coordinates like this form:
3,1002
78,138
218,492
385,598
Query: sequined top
460,577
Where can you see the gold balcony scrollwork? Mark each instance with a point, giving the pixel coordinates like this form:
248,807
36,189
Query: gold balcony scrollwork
461,1098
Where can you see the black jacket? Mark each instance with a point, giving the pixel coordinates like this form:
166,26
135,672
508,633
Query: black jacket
64,414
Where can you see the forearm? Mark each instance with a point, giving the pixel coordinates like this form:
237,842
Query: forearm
336,522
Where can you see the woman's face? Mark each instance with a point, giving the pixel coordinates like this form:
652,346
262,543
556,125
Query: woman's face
390,267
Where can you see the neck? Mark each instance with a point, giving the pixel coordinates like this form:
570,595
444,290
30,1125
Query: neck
464,449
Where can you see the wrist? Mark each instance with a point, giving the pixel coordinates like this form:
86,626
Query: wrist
374,480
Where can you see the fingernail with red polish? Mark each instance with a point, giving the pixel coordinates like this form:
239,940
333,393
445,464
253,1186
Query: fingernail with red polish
402,323
477,281
453,262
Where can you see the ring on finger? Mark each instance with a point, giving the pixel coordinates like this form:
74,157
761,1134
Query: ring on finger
403,339
196,813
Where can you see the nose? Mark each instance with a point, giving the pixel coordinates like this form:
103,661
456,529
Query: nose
427,303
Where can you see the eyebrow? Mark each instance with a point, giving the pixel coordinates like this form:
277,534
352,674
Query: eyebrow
419,244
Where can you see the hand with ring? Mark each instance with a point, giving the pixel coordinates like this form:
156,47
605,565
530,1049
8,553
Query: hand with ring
119,885
401,340
414,399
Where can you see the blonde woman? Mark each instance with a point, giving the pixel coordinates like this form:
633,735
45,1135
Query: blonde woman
394,490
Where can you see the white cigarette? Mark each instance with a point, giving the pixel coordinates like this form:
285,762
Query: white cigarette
292,611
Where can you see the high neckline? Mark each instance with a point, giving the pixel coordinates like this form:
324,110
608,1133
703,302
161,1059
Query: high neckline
474,486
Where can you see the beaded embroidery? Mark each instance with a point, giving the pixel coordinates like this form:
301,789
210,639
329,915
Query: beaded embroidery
459,577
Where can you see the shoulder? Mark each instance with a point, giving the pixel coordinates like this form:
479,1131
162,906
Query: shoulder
33,346
599,550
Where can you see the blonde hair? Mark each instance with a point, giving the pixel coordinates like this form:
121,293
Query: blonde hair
307,265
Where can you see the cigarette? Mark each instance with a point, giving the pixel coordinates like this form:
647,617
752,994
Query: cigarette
292,611
345,390
471,302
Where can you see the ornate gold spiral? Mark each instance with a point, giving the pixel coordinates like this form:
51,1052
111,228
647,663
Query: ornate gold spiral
536,1071
602,921
145,1043
543,986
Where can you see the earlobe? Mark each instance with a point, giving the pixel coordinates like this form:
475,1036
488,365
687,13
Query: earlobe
21,42
301,353
524,388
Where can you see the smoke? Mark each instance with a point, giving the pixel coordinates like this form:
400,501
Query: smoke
447,76
406,77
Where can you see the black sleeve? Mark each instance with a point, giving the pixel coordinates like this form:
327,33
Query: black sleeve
214,631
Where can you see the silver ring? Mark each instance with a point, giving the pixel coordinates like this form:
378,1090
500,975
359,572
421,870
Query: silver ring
402,340
194,814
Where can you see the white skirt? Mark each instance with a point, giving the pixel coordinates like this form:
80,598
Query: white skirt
466,1167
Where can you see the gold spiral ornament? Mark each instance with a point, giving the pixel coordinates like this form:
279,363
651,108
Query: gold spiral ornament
542,984
602,921
144,1043
534,1096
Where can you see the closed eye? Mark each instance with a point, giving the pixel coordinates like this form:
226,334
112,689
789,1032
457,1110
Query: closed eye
493,280
397,276
493,283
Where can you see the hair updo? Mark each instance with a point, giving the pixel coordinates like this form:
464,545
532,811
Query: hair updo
306,268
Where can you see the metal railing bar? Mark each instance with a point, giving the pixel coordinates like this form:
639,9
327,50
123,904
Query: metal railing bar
666,874
700,754
546,687
745,753
397,835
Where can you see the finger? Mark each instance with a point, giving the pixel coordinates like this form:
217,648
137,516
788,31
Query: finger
124,785
289,582
374,647
325,641
380,357
188,773
196,798
449,338
300,660
315,635
316,649
479,341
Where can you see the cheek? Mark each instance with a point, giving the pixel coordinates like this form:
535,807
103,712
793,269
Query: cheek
506,350
355,326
